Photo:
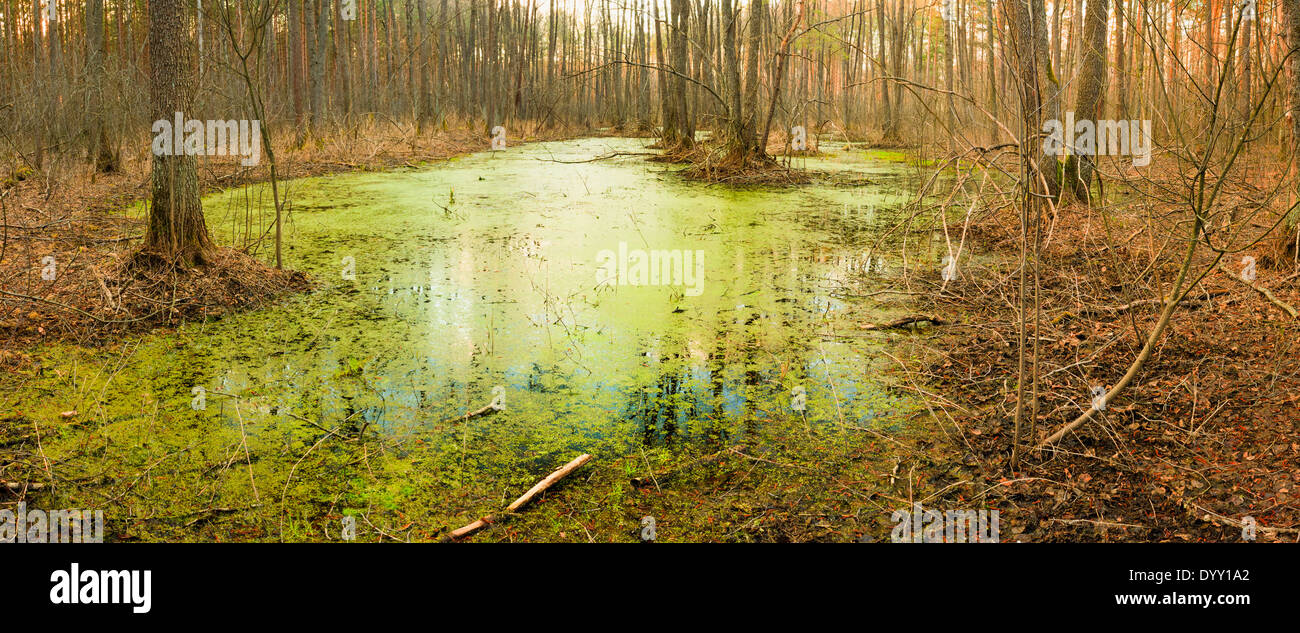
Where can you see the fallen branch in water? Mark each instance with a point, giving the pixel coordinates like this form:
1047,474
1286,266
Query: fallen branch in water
602,157
920,318
474,414
560,473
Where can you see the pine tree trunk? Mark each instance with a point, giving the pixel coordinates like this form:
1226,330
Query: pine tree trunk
319,38
684,133
343,55
296,74
177,231
100,152
38,157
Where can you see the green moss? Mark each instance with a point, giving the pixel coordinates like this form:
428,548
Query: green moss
348,400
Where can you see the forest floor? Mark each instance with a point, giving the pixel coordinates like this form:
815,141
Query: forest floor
80,220
1207,434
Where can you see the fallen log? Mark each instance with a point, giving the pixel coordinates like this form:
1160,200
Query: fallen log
474,414
1100,310
560,473
487,408
1268,294
909,320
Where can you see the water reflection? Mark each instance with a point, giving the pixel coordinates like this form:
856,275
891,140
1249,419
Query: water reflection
502,291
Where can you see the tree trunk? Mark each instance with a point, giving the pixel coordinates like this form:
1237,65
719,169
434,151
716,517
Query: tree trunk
1121,67
1243,68
343,55
319,39
425,96
100,151
1046,84
37,65
1092,89
883,24
685,133
757,9
1291,30
177,231
731,69
296,75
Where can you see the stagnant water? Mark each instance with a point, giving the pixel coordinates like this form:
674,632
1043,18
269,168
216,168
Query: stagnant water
446,288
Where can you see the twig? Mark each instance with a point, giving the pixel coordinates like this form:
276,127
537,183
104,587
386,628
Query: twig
560,473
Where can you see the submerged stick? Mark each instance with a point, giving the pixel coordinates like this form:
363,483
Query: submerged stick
560,473
665,475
